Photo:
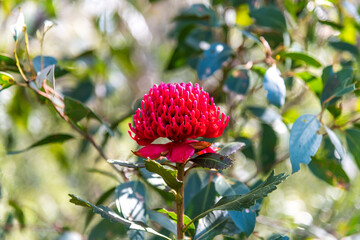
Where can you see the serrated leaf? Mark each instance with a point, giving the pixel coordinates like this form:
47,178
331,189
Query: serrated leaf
213,160
168,175
54,138
304,140
109,214
126,164
352,139
230,148
101,200
172,215
6,80
304,58
240,202
215,223
238,81
130,202
275,86
336,142
76,111
213,60
245,220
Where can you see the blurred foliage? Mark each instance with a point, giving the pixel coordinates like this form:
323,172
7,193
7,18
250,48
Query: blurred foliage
266,63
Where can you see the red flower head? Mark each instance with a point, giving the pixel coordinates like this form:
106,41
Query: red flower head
177,112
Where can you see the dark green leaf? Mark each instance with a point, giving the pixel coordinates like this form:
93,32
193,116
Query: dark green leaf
230,148
352,139
344,46
7,63
304,140
195,181
202,201
278,237
303,57
19,213
240,202
215,223
162,220
238,81
109,214
213,60
6,80
336,85
168,175
212,160
126,164
76,111
267,148
269,17
55,138
104,229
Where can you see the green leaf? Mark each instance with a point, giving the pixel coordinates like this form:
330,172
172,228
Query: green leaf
104,229
76,111
212,160
168,175
238,81
313,82
162,220
215,223
267,148
202,201
336,142
19,213
352,139
230,148
266,115
55,138
7,63
6,80
173,216
336,85
240,202
269,17
126,164
344,46
303,57
109,214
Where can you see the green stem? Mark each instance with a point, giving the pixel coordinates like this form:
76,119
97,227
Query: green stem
180,202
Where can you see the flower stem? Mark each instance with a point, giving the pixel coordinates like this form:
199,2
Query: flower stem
180,202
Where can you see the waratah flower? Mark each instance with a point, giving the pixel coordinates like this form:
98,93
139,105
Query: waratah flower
178,112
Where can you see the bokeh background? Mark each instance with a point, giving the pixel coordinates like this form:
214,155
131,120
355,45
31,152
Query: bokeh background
114,51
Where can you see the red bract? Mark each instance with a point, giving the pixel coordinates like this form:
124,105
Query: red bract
177,112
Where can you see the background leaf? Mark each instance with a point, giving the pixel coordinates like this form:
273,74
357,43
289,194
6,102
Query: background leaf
212,160
275,86
307,59
269,16
304,140
213,59
6,80
238,81
352,139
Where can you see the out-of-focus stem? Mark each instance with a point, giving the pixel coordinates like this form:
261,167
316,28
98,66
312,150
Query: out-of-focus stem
18,63
28,53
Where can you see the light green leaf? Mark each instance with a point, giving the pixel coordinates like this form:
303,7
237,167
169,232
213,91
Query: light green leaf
168,175
6,80
173,216
303,57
